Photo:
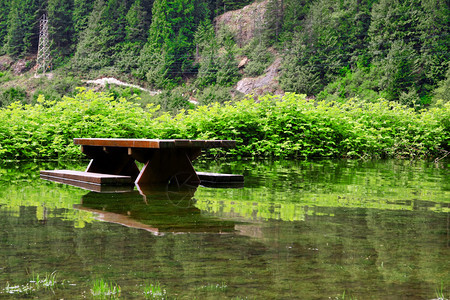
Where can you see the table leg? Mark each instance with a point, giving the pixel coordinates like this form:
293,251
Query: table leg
169,165
111,161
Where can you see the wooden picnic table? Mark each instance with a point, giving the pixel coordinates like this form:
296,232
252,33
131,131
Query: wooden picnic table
164,160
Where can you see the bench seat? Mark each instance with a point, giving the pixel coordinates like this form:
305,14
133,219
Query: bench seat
93,178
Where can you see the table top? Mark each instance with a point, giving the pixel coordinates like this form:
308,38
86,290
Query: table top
154,143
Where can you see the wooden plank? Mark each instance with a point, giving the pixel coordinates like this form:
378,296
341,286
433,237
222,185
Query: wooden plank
91,186
154,143
94,178
128,143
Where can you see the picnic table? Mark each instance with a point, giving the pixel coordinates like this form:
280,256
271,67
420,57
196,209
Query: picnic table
113,162
163,159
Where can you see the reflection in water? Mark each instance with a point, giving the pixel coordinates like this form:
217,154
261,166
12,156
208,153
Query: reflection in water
298,230
157,209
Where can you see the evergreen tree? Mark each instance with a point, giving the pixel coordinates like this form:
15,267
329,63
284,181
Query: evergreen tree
80,15
328,42
228,73
400,70
422,28
60,26
4,11
273,21
23,27
91,52
101,40
394,21
293,13
434,28
136,29
207,47
299,74
170,43
137,23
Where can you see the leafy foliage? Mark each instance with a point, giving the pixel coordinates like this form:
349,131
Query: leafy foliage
290,126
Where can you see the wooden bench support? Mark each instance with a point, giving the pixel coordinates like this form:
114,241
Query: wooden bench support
170,165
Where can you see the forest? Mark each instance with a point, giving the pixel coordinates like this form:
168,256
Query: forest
330,50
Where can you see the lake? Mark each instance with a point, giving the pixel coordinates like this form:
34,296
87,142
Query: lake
326,229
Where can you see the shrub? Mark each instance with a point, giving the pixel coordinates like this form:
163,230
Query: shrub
214,93
11,95
288,126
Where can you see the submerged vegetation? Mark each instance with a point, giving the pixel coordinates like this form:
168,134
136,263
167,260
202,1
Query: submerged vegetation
154,291
36,283
289,126
102,289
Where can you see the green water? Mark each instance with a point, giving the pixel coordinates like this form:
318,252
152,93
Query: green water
296,230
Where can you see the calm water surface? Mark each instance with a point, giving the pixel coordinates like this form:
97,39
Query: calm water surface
296,230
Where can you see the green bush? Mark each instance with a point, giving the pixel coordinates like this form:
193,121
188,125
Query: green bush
12,94
288,126
214,93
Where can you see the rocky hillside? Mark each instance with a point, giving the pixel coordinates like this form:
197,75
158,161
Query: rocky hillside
247,24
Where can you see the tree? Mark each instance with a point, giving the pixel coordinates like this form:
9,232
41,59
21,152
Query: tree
101,40
91,50
294,12
136,29
60,26
23,27
4,11
434,29
170,42
80,16
400,69
325,45
228,73
207,47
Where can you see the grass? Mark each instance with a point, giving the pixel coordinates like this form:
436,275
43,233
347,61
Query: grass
215,287
154,291
104,290
37,283
47,282
440,293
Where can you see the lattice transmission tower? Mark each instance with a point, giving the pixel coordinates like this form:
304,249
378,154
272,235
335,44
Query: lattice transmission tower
43,57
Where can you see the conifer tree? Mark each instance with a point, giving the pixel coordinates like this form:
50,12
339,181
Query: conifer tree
80,16
207,47
23,26
101,40
167,55
434,28
273,18
60,26
4,11
91,52
136,29
228,73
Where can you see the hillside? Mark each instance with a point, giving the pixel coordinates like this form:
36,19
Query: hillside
208,50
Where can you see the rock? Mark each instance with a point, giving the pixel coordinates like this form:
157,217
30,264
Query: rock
243,22
263,84
5,63
243,62
20,67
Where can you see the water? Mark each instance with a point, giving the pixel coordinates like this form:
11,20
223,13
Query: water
296,230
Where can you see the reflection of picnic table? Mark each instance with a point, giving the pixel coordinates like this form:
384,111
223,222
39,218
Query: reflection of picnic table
113,161
159,211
